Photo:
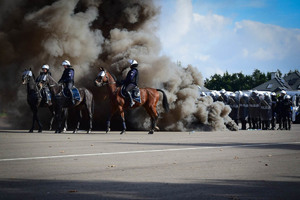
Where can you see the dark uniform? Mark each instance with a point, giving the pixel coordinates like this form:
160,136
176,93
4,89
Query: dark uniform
287,113
274,114
131,81
279,109
67,79
234,105
266,112
244,110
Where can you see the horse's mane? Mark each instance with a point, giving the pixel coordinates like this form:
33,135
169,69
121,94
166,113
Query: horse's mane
52,80
114,77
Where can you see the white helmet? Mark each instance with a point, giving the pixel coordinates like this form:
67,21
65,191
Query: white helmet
223,91
133,62
46,67
283,92
66,62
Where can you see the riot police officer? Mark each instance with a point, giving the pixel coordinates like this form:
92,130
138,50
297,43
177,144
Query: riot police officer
274,114
279,109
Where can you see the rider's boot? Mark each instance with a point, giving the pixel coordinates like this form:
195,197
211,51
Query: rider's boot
131,100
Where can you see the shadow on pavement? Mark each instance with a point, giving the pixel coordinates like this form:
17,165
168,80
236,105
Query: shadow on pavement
207,189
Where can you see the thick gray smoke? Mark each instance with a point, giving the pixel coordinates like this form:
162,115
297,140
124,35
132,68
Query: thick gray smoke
91,34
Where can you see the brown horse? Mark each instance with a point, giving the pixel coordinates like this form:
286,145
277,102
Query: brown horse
149,100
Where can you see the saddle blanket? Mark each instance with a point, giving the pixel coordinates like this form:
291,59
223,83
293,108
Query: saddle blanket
76,94
135,93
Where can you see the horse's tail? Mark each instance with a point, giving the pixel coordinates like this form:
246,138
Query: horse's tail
165,100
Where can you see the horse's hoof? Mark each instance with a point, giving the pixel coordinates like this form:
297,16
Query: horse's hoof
151,132
57,131
89,131
123,132
30,131
40,131
108,130
75,131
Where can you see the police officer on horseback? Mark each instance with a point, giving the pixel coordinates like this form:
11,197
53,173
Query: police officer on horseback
45,92
131,80
67,78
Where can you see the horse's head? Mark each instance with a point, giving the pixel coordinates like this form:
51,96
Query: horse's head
26,76
101,78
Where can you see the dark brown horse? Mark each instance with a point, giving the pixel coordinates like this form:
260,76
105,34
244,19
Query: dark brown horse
60,101
149,100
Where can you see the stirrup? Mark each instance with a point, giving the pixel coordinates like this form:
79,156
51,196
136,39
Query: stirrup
132,104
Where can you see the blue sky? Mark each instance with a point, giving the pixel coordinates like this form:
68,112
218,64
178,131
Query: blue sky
231,35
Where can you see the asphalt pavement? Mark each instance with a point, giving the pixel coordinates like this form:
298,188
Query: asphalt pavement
166,165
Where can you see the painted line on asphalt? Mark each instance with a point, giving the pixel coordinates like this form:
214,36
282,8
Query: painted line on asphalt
145,151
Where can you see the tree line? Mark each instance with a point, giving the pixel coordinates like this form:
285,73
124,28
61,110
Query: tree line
239,81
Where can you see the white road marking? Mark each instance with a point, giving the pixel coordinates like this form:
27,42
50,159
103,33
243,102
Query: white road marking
144,151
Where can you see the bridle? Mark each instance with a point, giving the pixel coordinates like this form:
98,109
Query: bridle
102,74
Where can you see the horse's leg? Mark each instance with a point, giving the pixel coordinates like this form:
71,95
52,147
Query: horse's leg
39,123
112,112
90,113
89,104
123,121
52,117
58,119
66,114
33,119
151,110
79,116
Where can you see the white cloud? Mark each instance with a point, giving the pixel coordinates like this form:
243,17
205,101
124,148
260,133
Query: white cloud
178,23
213,43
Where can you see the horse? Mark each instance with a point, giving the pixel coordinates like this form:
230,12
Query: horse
60,101
34,99
149,100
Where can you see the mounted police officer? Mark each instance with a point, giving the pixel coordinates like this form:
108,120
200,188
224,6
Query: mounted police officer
45,92
67,78
131,80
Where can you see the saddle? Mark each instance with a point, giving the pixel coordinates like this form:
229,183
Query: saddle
75,91
135,93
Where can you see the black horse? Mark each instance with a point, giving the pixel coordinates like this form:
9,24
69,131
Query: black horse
61,101
34,99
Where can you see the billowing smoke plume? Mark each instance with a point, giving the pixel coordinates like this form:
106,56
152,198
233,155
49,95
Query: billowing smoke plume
94,33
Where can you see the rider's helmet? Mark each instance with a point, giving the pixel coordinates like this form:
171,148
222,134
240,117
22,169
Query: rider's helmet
46,67
66,62
133,63
283,93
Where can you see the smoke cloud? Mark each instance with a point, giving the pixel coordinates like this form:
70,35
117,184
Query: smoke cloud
94,33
